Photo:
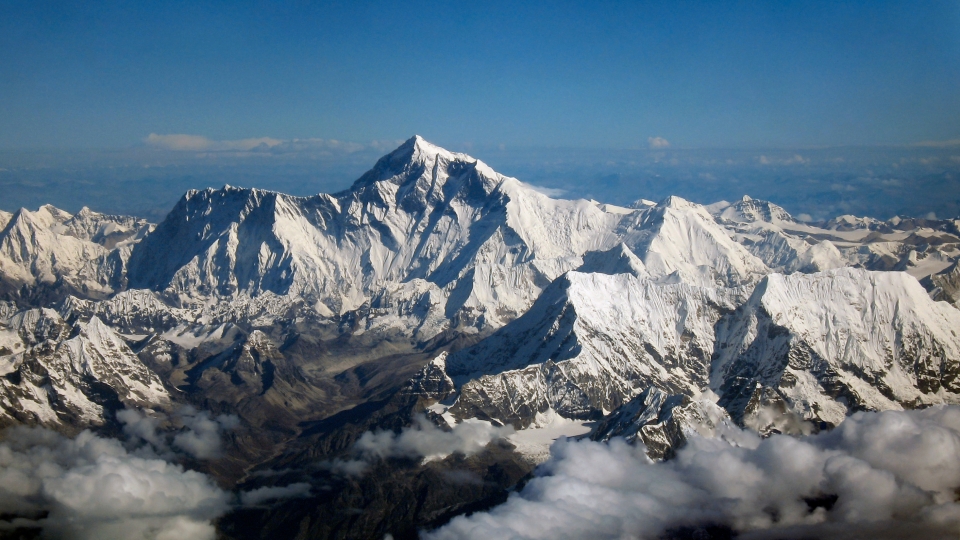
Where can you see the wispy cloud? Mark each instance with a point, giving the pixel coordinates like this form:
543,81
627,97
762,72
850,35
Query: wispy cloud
199,143
182,142
93,487
271,493
795,159
938,144
548,191
421,440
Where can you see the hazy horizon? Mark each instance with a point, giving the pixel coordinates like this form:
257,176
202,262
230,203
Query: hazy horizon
812,183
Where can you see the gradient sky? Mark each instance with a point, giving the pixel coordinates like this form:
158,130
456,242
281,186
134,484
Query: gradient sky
588,74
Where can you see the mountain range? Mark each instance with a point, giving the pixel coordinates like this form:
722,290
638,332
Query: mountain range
438,289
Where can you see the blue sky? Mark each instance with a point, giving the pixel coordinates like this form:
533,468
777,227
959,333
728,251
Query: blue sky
580,74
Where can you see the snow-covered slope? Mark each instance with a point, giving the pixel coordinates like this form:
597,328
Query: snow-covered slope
59,375
480,246
106,230
237,294
781,242
83,255
800,354
589,343
838,341
482,241
945,285
679,241
923,248
616,260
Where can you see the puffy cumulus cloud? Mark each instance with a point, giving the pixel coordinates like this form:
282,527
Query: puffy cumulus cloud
657,143
91,488
421,440
138,426
880,475
199,435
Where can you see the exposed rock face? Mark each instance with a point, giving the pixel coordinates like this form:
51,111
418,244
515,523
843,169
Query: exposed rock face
432,382
661,422
945,285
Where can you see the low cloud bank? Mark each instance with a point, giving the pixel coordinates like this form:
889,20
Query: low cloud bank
884,475
93,488
421,440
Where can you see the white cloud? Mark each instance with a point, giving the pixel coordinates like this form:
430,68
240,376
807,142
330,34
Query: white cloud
199,436
178,142
181,142
657,143
805,217
938,144
270,493
92,488
199,143
795,159
421,440
880,475
548,191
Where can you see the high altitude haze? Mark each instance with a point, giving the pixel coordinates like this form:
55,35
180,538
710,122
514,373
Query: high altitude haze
609,74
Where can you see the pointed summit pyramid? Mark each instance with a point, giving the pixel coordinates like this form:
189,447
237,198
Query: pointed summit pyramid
484,244
679,241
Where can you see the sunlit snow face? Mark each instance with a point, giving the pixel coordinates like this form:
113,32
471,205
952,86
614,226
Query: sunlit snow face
886,475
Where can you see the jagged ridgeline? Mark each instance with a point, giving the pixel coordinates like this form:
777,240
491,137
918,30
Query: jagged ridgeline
435,284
